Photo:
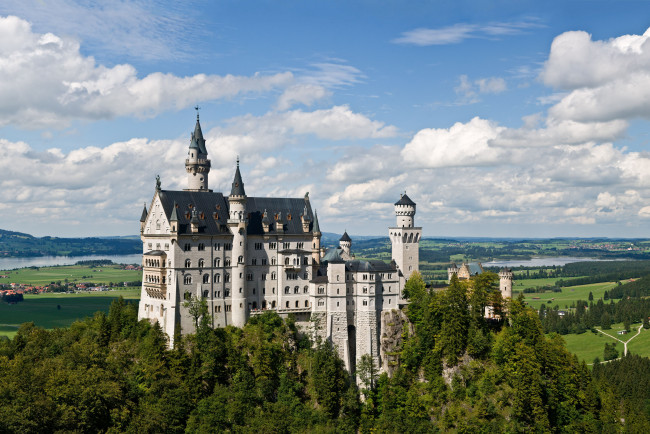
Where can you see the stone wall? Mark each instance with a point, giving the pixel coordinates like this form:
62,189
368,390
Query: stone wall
393,323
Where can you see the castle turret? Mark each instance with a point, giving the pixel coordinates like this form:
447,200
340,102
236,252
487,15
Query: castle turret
405,237
346,244
143,219
197,164
315,242
505,282
237,223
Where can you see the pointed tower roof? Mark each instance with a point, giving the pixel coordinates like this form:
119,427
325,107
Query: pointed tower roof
237,183
174,216
405,200
346,237
316,228
144,214
198,142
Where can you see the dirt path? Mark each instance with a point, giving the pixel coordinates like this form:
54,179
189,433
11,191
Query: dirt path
623,342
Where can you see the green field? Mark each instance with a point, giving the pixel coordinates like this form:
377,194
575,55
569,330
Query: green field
58,310
73,273
587,346
569,295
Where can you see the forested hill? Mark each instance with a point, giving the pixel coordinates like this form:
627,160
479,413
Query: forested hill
18,244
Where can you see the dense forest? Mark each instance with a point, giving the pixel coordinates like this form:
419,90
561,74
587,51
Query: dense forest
457,371
17,244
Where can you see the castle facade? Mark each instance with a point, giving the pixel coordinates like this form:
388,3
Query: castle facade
245,255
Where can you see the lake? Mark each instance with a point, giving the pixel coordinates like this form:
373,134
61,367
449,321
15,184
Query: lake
48,261
540,262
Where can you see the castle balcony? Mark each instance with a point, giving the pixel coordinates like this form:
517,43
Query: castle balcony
281,310
202,161
156,290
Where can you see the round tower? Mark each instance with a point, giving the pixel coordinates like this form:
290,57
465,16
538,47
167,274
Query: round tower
405,212
346,243
237,222
197,164
405,237
505,282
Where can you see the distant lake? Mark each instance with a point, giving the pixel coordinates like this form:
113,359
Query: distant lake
49,261
541,262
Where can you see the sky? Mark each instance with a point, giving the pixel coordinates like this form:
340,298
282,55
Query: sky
499,119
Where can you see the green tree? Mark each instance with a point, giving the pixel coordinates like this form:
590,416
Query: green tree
367,372
456,320
591,296
197,308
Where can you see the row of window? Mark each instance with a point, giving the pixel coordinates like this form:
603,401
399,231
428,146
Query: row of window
187,247
158,247
228,246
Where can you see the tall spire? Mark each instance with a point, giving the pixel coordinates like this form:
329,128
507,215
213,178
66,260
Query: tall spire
316,229
197,137
237,183
144,214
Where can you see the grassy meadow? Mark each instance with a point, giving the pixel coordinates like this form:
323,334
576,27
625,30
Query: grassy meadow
587,346
569,295
53,310
70,273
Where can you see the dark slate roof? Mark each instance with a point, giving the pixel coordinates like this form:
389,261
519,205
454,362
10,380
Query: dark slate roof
316,228
373,265
474,268
237,184
211,204
198,142
288,211
208,205
155,253
144,214
346,237
405,200
333,255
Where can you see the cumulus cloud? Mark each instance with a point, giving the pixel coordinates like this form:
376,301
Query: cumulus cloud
605,80
46,82
460,145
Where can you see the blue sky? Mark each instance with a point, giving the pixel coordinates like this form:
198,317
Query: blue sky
498,118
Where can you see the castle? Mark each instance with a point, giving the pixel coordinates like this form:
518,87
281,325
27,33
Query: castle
469,269
245,255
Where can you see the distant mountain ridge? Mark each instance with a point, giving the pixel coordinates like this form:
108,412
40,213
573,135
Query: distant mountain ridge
19,244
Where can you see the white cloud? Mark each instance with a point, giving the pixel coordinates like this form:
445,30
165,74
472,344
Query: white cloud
606,80
460,145
139,29
46,82
305,94
459,32
469,90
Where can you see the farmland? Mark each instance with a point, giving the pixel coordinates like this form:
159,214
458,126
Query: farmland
52,310
70,274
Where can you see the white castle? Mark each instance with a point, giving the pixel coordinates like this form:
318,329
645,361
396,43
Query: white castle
246,255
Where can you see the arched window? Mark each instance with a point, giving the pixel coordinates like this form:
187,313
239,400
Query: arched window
272,261
187,279
306,303
274,276
287,304
264,304
188,263
226,277
297,303
305,289
217,262
206,278
227,262
286,261
296,289
286,289
201,263
240,260
217,277
273,304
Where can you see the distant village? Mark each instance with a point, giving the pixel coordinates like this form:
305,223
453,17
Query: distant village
13,292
